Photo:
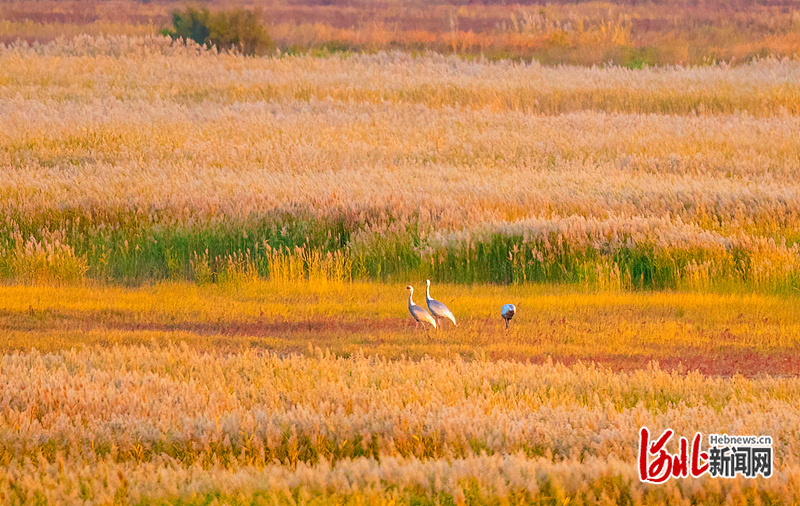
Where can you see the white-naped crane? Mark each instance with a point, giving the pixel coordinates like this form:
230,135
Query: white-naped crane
417,312
508,312
437,309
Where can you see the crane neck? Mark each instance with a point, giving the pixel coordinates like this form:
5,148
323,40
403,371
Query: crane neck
410,294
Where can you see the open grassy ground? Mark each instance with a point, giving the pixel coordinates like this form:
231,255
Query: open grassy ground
270,393
713,333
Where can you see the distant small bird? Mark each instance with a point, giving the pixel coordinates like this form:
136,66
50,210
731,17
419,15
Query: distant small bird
508,312
437,309
417,312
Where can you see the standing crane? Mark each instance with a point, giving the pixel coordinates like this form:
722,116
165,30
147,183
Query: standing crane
417,312
437,309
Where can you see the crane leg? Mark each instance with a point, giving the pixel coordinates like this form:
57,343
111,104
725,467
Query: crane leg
506,322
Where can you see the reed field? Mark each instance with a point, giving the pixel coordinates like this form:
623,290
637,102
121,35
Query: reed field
630,33
172,425
312,393
137,159
203,262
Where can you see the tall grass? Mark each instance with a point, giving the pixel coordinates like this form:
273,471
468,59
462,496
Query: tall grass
625,254
150,424
153,160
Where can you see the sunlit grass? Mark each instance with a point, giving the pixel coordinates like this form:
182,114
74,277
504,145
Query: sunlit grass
720,333
131,160
323,392
281,370
134,424
200,239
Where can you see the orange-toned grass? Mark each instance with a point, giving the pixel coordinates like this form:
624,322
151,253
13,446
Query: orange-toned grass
716,334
